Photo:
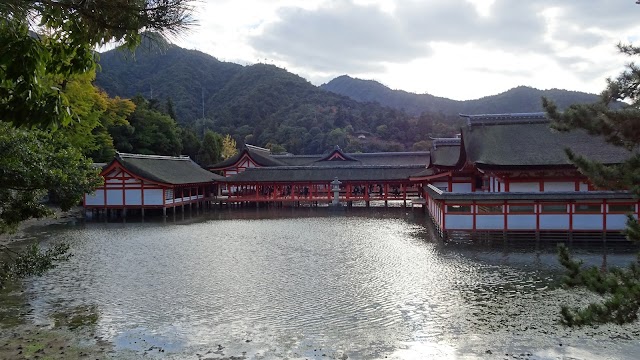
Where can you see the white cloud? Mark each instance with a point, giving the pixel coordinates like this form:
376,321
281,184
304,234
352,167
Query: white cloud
455,48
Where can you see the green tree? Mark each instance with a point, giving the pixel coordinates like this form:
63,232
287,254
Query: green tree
35,164
276,148
190,143
29,64
620,125
170,110
96,113
337,137
154,132
422,145
211,149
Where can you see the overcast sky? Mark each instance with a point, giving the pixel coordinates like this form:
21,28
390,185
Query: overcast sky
460,49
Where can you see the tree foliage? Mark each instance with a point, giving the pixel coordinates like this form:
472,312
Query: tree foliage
262,104
34,70
149,131
620,288
229,147
96,114
31,262
620,126
36,164
211,149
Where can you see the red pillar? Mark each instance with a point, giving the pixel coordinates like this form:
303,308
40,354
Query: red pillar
604,215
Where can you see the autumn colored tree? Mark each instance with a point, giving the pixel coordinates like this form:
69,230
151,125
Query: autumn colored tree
229,147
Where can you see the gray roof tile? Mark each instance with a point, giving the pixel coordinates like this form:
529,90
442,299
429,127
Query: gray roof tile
166,169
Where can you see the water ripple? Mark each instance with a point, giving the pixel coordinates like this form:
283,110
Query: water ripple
286,286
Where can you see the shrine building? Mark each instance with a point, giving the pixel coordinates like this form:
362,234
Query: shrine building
134,181
512,174
256,175
507,173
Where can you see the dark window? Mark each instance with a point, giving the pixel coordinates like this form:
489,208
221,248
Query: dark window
622,208
489,209
459,208
587,208
554,208
522,209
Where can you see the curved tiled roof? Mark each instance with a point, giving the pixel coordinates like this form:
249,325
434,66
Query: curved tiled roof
520,143
445,156
175,170
259,157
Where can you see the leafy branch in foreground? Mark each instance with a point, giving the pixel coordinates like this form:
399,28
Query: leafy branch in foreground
620,288
30,262
69,31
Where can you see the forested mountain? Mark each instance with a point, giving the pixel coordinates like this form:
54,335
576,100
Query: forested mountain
165,71
519,99
262,104
267,106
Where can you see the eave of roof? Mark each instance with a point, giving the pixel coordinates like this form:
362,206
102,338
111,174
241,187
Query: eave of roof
438,194
290,174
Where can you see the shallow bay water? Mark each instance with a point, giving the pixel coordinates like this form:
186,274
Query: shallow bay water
312,283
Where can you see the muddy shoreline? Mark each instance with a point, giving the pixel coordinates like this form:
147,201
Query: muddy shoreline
68,335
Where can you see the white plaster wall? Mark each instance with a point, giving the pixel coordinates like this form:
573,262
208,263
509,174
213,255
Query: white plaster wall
133,197
559,186
458,222
584,187
114,197
554,222
489,222
617,221
521,222
153,197
524,187
97,198
461,187
587,222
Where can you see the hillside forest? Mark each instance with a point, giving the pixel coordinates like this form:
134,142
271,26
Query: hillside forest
260,105
267,106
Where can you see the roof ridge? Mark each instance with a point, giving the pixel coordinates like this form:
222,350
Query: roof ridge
160,157
388,153
435,142
506,118
303,167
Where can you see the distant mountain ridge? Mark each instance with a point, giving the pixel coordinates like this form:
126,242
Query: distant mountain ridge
261,104
518,99
265,105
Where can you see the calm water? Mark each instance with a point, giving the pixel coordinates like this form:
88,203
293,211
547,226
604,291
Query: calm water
365,284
